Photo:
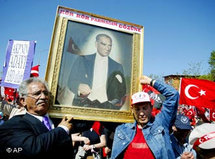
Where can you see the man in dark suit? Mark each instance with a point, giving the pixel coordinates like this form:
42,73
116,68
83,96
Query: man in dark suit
33,135
97,80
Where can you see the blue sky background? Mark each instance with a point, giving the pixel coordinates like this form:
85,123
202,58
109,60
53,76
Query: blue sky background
177,32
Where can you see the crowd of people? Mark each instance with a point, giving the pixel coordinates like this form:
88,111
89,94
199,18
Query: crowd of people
27,131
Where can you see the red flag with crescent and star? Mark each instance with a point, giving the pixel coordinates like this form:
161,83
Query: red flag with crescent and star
212,114
196,92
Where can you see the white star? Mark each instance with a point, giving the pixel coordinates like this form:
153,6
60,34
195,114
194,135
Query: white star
202,92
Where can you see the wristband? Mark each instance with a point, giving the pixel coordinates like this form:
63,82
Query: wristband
151,82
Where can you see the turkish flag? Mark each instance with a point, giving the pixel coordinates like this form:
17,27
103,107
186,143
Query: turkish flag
190,113
201,112
212,114
73,47
199,93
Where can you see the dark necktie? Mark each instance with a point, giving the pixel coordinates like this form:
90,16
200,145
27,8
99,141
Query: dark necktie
46,122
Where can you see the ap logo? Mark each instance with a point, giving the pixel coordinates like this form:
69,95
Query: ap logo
14,150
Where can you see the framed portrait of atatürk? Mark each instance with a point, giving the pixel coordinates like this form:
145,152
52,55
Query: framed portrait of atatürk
94,65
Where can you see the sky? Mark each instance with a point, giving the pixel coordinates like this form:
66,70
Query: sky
177,33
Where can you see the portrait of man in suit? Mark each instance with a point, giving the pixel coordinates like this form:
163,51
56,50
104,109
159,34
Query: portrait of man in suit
96,79
95,70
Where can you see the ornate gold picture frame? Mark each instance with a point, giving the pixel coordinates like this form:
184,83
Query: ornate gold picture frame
94,66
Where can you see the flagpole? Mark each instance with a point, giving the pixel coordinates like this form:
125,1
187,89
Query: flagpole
179,89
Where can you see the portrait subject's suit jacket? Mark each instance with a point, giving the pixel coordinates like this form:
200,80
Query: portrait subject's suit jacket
24,136
83,70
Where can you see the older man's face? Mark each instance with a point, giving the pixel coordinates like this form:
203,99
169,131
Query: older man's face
37,100
104,46
142,113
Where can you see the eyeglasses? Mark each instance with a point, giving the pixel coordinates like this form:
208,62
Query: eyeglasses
38,94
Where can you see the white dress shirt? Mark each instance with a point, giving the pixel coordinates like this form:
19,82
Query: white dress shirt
99,79
40,118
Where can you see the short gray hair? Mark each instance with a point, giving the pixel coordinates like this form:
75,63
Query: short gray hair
23,88
103,35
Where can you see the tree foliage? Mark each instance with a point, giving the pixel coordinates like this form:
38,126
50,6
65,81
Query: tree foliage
212,65
194,69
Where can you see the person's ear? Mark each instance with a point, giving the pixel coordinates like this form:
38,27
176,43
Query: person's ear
23,102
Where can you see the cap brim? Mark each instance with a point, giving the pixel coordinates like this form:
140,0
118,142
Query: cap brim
140,102
210,144
187,127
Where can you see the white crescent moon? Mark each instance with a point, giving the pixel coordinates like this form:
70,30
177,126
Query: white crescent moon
189,112
213,115
187,91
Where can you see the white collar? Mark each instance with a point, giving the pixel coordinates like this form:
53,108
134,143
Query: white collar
99,57
38,116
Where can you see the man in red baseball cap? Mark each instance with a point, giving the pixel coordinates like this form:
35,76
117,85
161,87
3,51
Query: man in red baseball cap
148,137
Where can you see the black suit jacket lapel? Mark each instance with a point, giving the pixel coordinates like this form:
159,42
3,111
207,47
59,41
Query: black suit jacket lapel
89,65
36,124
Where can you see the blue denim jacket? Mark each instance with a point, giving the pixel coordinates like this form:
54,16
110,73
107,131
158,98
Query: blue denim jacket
156,131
